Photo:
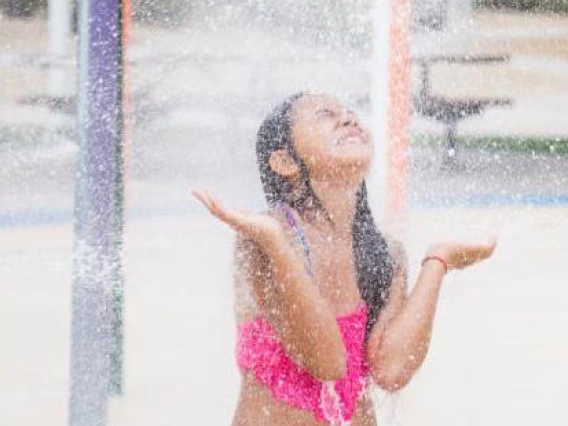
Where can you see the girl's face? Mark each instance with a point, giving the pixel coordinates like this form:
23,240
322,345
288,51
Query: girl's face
330,139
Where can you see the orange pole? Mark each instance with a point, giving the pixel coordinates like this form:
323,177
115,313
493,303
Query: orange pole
398,171
127,95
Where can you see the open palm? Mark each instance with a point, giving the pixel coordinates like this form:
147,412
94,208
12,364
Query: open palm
260,227
462,255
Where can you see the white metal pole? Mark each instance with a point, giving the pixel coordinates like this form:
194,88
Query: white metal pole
461,18
380,72
60,82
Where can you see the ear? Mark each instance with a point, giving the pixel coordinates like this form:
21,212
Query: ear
282,163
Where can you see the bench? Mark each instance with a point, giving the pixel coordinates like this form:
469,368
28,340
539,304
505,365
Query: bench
450,111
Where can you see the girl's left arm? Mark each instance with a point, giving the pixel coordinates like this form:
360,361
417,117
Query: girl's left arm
400,338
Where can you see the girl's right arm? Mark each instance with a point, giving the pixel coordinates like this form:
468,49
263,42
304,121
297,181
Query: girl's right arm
301,317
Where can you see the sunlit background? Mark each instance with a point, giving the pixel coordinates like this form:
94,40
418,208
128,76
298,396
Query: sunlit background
488,154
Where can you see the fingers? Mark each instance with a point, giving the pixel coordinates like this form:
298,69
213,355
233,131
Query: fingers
477,253
203,197
462,255
492,244
487,250
211,203
232,219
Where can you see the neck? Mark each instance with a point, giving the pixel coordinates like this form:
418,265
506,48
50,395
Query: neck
339,202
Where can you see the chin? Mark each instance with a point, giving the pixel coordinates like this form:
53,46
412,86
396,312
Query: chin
353,169
355,159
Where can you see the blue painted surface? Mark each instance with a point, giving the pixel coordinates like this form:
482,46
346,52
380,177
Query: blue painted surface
39,217
490,200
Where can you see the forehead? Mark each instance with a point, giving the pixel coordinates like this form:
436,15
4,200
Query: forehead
313,102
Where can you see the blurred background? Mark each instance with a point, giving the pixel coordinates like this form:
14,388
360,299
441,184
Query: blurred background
488,154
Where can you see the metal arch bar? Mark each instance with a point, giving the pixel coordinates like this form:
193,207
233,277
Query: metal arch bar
463,59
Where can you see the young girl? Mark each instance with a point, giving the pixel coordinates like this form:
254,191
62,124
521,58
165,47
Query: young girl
322,304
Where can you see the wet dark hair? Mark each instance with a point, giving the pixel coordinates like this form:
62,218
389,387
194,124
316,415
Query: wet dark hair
373,261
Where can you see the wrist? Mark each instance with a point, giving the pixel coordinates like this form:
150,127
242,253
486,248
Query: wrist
438,259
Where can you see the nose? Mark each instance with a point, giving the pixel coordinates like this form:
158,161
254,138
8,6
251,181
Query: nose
348,118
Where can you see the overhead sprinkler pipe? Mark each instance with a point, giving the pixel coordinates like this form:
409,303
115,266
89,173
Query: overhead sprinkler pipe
98,284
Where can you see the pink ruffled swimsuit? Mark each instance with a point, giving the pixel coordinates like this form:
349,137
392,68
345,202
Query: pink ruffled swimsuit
261,352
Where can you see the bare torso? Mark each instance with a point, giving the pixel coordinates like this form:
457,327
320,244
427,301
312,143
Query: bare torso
257,407
335,275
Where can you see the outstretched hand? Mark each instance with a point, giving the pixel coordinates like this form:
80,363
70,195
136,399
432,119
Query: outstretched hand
262,228
462,255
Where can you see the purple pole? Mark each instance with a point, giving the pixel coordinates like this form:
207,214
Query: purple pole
98,192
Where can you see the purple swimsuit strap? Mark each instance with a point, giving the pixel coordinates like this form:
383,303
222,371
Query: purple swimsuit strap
299,232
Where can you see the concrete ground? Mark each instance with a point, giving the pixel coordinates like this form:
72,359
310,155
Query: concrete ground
497,356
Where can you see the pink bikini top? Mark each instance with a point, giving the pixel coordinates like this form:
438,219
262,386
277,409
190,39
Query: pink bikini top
261,352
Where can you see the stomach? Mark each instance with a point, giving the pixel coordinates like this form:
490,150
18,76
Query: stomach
256,406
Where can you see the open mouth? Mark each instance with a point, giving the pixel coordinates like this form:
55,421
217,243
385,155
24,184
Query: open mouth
351,139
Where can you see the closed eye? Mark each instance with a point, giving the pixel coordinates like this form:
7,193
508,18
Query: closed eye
325,112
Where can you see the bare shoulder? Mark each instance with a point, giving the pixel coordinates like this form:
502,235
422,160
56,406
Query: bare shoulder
287,230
